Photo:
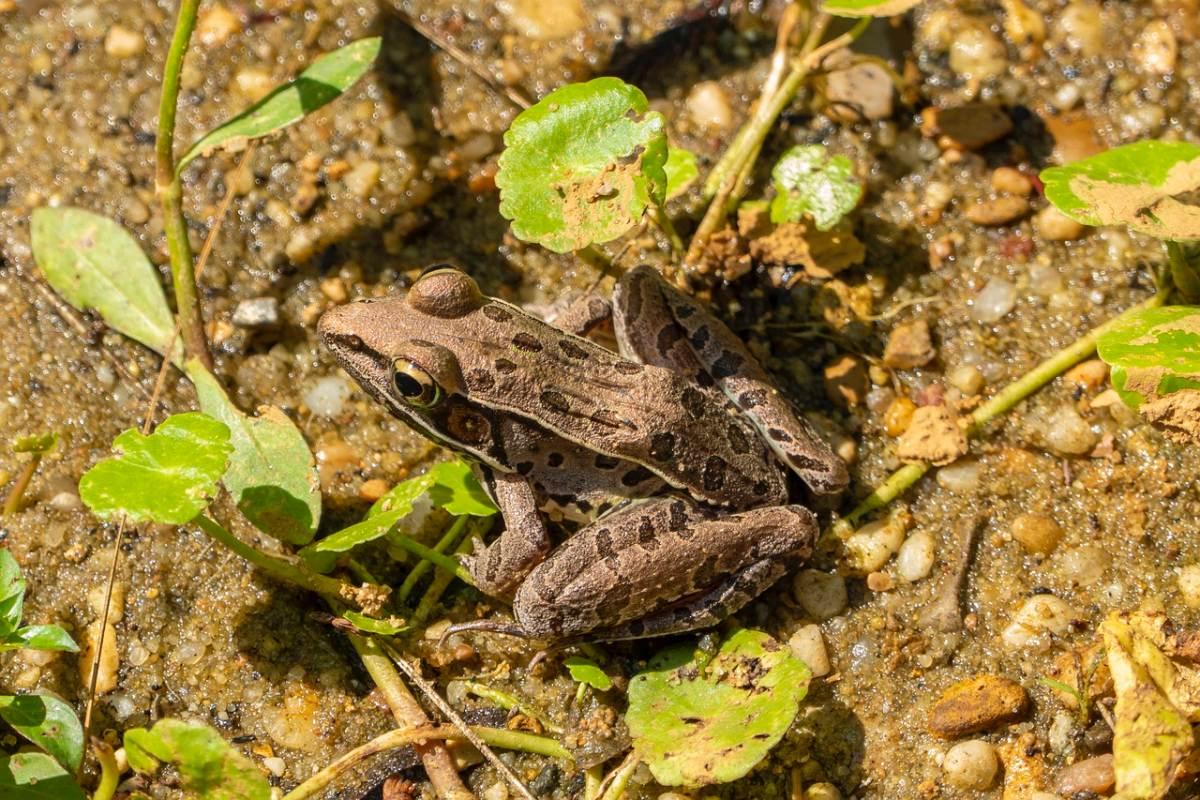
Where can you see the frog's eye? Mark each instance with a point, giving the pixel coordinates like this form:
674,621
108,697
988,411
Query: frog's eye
414,385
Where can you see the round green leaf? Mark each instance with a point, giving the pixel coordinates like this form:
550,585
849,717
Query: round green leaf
696,723
1135,185
1153,353
581,166
208,766
868,8
810,182
36,776
12,593
49,723
39,443
584,670
681,171
168,476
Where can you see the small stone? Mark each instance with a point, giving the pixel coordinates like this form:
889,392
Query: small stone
821,594
1091,777
545,19
121,42
1155,50
966,127
1022,25
909,346
66,501
275,765
708,104
1038,615
846,380
808,645
216,24
916,557
334,289
972,764
880,582
822,791
998,210
134,211
994,301
1037,533
961,477
934,435
253,83
1067,433
1090,374
861,92
1084,565
257,312
1189,585
372,490
361,180
327,396
870,547
898,416
977,704
1009,180
1055,226
978,54
967,379
1080,28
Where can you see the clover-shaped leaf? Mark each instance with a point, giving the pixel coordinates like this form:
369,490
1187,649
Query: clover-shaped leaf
868,8
681,171
208,766
808,181
696,721
1136,185
582,165
584,670
12,603
169,476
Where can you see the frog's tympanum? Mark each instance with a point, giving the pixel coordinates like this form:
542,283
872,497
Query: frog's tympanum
673,456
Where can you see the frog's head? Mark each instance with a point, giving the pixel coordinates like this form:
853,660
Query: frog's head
384,344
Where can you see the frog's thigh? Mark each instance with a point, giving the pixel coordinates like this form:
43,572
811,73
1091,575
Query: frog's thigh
498,568
660,567
583,315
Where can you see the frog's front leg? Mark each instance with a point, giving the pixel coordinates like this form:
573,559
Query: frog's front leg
499,568
659,567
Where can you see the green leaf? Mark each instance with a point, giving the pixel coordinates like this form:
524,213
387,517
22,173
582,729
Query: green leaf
39,637
681,171
49,723
382,627
95,263
1135,185
1153,353
323,554
808,181
868,8
36,776
321,82
12,593
169,476
40,443
208,766
582,165
272,475
584,670
695,722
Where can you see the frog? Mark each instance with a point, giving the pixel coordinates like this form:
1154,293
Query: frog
667,463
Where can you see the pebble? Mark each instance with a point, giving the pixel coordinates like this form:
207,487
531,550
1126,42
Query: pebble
822,791
334,289
216,24
121,42
545,19
1085,565
1037,533
909,346
978,54
1009,180
327,396
1189,585
976,704
933,435
994,301
1045,280
708,105
870,547
1038,615
253,83
1067,433
1080,28
1022,25
275,765
966,127
1155,50
362,180
373,489
1090,374
960,477
967,379
821,594
846,380
972,764
1092,776
66,501
257,312
1055,226
808,645
997,210
916,557
863,91
898,416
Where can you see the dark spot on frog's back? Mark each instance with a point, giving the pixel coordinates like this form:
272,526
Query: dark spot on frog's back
714,473
607,462
572,350
555,401
677,516
635,476
738,441
700,338
497,313
693,402
668,336
505,367
728,364
662,446
555,459
526,342
480,380
604,546
627,367
779,435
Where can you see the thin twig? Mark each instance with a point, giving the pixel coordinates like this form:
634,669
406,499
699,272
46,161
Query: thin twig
12,503
432,696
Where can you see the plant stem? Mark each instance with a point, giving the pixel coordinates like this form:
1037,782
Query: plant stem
509,703
285,571
12,503
593,777
110,773
663,221
441,581
448,540
170,191
616,781
1004,400
1183,274
440,560
496,737
439,767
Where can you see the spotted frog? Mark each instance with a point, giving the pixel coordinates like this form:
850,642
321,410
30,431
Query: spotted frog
669,458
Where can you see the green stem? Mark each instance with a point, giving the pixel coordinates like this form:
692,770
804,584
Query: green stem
440,560
593,777
448,540
663,220
495,737
1003,401
12,503
277,568
110,773
170,191
441,581
1183,274
618,779
509,703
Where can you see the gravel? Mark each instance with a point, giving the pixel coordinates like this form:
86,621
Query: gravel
972,764
994,301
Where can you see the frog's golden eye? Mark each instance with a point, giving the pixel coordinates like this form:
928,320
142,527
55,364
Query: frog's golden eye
414,385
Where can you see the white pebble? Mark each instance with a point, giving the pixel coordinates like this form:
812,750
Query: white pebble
821,594
1085,565
1044,280
808,645
361,180
1189,585
1068,433
275,765
1037,616
65,501
971,764
916,557
962,476
121,42
708,105
121,705
978,54
967,379
870,547
327,396
994,301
